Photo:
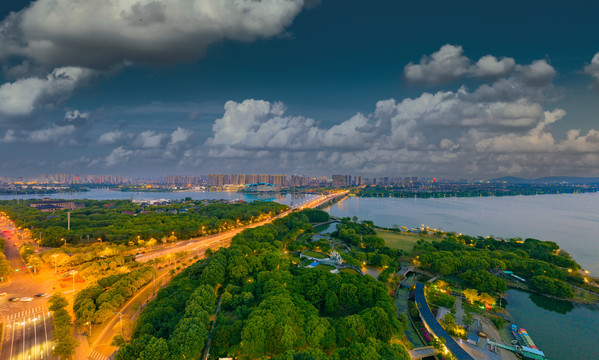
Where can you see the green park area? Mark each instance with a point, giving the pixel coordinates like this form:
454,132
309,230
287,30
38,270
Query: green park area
315,254
403,241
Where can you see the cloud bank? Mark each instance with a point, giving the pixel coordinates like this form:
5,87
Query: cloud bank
592,69
72,40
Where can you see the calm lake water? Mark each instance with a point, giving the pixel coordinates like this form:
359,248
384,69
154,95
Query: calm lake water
562,330
99,194
571,220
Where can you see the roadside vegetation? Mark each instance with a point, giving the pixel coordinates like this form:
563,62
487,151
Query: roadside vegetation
98,303
5,269
63,334
271,308
124,222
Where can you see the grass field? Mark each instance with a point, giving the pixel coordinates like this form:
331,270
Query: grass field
315,254
403,241
349,270
325,267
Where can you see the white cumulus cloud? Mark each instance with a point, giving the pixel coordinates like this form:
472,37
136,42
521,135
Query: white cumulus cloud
592,69
24,96
103,33
449,64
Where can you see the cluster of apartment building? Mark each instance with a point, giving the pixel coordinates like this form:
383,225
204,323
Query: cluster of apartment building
70,179
349,180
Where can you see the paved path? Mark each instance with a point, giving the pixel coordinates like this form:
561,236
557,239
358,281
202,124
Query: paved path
428,317
459,311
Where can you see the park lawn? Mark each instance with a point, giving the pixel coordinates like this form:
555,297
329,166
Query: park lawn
403,241
315,254
349,271
325,267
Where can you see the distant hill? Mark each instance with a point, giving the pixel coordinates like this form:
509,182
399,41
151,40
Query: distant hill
548,180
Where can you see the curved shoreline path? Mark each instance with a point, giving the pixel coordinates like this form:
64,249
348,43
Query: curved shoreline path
436,328
224,239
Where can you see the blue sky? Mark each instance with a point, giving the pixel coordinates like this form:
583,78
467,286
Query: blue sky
433,88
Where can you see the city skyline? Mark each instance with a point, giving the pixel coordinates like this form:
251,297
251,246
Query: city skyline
306,87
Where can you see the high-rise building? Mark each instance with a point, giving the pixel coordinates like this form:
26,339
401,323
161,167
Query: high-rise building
279,180
341,180
251,179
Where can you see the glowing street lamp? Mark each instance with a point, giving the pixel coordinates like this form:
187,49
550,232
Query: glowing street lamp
55,256
73,273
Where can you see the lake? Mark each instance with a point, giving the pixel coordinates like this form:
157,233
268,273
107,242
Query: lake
562,330
102,194
571,220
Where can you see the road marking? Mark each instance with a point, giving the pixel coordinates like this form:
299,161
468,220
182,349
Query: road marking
94,355
12,338
46,333
34,340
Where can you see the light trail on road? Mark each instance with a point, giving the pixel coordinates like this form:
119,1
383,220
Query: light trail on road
27,338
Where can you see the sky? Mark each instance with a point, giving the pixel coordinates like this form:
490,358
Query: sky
466,89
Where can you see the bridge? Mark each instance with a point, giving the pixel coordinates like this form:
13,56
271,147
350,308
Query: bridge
423,352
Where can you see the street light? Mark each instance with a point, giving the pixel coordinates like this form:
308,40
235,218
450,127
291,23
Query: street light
154,275
73,273
55,256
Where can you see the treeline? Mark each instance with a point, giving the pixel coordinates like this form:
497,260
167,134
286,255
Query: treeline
63,334
122,221
270,307
5,269
471,191
472,259
547,285
366,247
97,303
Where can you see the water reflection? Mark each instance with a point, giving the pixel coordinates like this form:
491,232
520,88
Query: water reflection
558,306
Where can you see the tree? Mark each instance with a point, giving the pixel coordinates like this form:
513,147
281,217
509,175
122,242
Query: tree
65,347
151,243
118,341
487,299
156,349
471,295
57,301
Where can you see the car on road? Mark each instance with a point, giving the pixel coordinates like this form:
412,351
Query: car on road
2,294
13,299
41,295
26,299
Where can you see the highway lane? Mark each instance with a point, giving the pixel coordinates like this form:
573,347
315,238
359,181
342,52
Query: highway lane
27,325
27,335
203,243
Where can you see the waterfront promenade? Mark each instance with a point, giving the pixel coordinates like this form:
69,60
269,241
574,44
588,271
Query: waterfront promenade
433,325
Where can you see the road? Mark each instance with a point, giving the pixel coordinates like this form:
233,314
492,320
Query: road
101,347
27,335
213,241
27,325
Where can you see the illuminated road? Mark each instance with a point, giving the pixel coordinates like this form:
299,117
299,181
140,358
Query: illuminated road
27,335
197,245
27,326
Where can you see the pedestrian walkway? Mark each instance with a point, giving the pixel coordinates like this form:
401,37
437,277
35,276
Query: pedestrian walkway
94,355
27,313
